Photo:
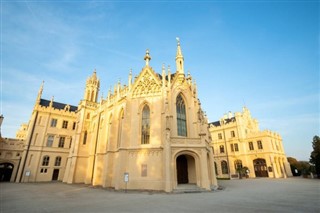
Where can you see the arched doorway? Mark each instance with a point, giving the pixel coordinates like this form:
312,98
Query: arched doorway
186,169
260,167
5,171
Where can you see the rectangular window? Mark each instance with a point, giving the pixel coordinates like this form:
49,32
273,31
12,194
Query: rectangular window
221,149
236,148
65,124
53,122
43,170
251,146
85,138
50,140
74,126
144,170
233,134
219,136
231,146
61,142
58,161
259,144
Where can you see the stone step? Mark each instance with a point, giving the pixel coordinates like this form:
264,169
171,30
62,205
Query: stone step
188,188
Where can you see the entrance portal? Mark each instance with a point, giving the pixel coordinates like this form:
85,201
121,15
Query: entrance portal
186,169
55,174
5,171
260,167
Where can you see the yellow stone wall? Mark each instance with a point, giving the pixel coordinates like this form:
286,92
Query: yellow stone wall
246,130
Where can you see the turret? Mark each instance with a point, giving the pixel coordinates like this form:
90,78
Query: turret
179,58
92,88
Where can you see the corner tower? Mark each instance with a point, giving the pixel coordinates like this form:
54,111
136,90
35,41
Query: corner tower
92,88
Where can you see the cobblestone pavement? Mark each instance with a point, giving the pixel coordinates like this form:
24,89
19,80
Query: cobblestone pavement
246,195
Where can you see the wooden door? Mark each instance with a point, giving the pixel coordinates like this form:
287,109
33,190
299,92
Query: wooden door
182,170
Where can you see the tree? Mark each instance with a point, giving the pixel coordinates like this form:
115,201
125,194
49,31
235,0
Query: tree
315,154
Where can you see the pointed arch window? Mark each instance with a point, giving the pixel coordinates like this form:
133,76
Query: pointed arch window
145,125
121,116
181,116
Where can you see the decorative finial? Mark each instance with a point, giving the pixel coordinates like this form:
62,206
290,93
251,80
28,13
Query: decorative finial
147,57
178,40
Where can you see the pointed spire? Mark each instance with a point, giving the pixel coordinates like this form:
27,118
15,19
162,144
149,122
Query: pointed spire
169,77
147,57
40,92
163,75
179,58
51,102
130,79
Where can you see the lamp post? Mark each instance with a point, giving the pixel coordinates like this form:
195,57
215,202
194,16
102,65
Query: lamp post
1,119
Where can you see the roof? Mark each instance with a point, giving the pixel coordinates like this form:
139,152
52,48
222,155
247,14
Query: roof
226,121
57,105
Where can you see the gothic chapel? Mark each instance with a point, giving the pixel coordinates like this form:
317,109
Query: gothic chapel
152,130
149,135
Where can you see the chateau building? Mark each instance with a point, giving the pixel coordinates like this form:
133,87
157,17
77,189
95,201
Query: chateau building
238,143
149,135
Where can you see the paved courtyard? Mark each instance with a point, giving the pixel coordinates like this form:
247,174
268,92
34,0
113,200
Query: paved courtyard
247,195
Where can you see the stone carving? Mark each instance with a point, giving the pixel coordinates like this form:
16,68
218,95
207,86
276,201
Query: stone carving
147,86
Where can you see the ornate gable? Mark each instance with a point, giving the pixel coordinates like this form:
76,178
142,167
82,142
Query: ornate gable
147,84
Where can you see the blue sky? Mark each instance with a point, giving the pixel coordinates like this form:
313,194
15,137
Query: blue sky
262,54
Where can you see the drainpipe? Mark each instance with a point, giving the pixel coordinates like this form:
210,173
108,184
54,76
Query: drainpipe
225,142
29,142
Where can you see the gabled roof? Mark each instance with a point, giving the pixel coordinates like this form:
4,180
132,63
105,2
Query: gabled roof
57,105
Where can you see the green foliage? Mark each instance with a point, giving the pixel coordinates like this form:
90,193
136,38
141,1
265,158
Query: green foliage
315,154
303,167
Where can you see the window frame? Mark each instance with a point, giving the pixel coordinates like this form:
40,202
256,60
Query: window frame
45,160
181,116
145,125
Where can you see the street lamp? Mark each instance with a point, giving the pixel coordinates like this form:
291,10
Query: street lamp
1,119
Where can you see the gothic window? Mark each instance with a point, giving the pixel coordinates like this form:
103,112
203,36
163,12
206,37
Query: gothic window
181,116
92,96
221,149
50,140
224,167
85,138
145,125
120,128
45,160
251,146
259,145
58,161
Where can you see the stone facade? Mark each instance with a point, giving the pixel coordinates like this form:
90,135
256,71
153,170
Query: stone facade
152,131
10,158
238,142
